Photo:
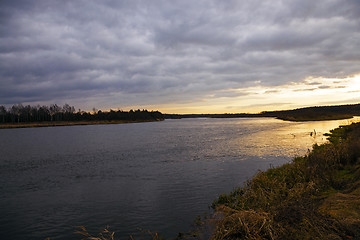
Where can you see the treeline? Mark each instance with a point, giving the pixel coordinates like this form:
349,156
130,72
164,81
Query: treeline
300,114
24,114
224,115
316,113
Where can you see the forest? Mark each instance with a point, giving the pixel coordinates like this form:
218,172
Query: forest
54,113
19,113
317,113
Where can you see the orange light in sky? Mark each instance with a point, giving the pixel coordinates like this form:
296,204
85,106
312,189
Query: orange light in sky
312,91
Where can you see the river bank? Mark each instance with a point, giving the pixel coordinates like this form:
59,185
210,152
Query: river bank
313,197
68,123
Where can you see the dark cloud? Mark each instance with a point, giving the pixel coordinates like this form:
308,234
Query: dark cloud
305,90
324,87
133,51
272,91
314,83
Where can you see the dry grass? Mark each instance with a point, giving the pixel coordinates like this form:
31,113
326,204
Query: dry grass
106,234
245,224
345,207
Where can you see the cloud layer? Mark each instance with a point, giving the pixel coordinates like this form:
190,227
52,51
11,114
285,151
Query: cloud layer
127,53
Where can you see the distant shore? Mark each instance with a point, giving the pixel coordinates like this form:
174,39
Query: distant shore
321,113
68,123
314,118
104,122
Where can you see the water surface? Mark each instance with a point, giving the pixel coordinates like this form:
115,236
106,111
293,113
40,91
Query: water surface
157,175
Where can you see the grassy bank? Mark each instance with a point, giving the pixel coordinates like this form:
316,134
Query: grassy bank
315,117
67,123
313,197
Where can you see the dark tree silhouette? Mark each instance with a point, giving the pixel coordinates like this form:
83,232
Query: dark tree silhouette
19,114
3,113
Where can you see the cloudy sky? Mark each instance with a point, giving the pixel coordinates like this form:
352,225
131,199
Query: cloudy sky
180,56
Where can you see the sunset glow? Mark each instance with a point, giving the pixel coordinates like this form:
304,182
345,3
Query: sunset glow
312,91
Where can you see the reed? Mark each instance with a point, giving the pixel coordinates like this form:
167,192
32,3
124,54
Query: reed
106,234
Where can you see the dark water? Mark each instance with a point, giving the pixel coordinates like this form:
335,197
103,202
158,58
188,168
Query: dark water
156,176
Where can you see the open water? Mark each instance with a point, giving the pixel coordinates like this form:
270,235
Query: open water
156,176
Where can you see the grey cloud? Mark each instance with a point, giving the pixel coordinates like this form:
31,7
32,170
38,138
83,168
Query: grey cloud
272,91
270,104
319,87
305,90
229,94
324,87
314,83
151,51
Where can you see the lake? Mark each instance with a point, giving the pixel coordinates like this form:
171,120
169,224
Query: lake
155,176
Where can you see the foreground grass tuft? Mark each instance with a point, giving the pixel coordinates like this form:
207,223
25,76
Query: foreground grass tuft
105,234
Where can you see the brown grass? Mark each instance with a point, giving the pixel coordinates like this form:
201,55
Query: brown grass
105,234
245,224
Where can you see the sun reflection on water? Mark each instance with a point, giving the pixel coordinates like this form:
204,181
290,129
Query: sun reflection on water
298,136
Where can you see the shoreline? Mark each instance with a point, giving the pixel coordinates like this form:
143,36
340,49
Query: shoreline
316,196
105,122
299,119
69,123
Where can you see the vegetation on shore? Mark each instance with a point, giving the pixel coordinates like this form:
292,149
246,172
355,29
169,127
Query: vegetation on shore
19,116
317,113
313,197
69,123
300,114
54,115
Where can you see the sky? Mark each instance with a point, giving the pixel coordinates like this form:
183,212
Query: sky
180,56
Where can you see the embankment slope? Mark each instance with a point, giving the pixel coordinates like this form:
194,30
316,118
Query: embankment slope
313,197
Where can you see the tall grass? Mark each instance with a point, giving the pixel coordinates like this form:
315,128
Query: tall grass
106,234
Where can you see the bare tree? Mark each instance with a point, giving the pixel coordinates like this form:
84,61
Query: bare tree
16,111
54,109
3,113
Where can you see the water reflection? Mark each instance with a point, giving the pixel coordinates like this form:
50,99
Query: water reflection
290,138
